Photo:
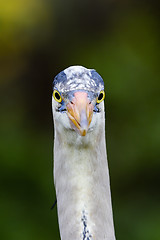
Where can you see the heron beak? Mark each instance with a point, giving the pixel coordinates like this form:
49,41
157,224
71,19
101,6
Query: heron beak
80,112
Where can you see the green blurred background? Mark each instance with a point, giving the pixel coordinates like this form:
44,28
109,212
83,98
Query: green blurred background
118,38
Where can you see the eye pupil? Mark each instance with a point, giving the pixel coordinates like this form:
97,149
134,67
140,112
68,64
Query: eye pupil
57,96
100,96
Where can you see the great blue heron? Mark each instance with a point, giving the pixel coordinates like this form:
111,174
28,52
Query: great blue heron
81,174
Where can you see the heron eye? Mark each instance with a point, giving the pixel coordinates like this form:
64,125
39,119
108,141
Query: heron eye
57,96
101,96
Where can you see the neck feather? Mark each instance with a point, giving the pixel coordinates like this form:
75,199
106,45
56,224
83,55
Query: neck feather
82,186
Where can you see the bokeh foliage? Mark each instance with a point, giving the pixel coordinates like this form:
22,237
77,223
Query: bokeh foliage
120,39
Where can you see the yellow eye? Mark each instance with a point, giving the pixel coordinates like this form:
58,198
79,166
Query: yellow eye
57,96
101,96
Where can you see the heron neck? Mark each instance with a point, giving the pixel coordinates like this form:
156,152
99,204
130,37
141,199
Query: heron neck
82,187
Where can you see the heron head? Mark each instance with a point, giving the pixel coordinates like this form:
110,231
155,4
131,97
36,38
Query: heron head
77,96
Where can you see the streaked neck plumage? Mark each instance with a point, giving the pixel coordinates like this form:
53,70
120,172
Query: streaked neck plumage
82,184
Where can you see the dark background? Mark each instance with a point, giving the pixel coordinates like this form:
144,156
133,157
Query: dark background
118,38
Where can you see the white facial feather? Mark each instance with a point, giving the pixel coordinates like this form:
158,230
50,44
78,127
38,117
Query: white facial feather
63,126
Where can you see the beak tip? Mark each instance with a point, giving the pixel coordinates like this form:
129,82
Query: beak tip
83,132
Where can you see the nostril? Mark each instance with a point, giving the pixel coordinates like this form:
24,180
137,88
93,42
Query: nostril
71,102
